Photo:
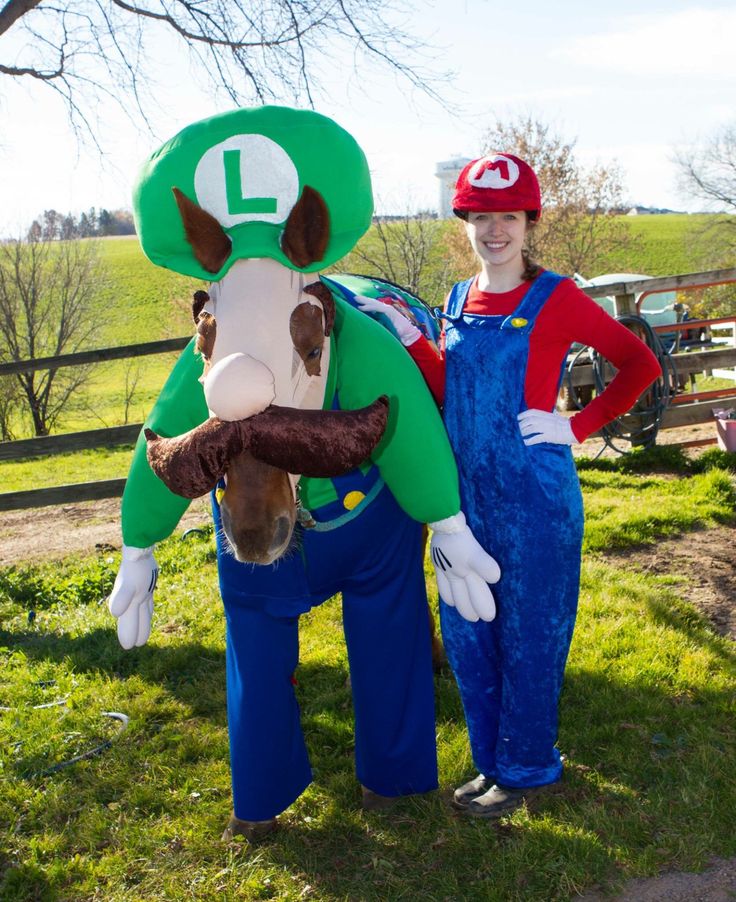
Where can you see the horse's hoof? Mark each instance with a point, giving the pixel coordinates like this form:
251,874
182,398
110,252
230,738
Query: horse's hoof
253,831
372,801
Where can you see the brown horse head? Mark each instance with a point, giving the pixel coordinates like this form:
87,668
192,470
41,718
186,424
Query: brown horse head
263,336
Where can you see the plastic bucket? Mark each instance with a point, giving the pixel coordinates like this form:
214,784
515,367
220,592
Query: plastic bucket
726,434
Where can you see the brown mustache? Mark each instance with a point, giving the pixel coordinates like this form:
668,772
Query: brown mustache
315,443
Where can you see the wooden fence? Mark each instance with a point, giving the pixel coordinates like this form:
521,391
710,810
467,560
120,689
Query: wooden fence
687,409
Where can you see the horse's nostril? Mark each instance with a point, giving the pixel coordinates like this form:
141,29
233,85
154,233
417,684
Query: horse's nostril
281,532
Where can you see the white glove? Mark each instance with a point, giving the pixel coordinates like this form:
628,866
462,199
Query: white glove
463,569
131,599
540,426
405,329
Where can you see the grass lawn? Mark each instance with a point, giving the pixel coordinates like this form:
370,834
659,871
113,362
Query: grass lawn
647,724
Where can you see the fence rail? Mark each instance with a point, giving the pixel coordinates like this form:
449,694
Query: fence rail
82,358
45,445
62,494
689,409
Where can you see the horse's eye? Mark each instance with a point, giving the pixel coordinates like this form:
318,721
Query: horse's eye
314,353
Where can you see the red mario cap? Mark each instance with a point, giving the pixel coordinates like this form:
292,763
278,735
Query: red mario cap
498,183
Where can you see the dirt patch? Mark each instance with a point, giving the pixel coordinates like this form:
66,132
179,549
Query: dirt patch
716,884
50,533
704,563
700,432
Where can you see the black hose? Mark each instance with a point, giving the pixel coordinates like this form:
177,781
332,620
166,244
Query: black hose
90,753
648,416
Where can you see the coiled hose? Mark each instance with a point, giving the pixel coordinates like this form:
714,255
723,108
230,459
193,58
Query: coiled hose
641,428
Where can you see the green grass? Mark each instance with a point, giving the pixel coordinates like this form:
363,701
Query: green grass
646,719
660,246
628,510
139,301
66,469
646,722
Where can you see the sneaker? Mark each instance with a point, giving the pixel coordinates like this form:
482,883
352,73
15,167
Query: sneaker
500,800
465,794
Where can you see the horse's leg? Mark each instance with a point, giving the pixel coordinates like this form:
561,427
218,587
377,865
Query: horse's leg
439,659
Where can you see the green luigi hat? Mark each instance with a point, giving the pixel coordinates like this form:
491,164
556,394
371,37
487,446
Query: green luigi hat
248,168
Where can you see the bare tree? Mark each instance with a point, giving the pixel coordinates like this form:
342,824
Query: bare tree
580,225
46,289
708,171
402,249
10,403
264,50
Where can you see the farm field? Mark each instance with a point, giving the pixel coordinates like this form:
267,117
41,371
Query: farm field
661,245
646,724
138,301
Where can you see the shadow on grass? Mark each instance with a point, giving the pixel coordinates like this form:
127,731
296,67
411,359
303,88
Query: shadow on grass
632,748
647,782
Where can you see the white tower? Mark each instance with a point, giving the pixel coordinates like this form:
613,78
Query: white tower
448,172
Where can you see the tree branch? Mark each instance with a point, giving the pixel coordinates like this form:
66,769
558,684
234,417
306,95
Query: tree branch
13,11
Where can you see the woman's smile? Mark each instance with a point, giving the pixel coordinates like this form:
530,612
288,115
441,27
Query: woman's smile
497,238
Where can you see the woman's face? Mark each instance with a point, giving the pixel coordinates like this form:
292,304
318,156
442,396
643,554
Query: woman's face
497,238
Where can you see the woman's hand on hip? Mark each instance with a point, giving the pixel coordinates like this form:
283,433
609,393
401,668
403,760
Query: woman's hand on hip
539,426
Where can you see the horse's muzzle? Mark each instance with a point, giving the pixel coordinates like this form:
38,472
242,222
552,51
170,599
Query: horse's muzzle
315,443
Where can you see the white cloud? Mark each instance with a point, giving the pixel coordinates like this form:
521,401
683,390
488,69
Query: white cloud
691,42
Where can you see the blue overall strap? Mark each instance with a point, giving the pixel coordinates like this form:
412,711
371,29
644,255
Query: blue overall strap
522,319
343,519
373,473
456,301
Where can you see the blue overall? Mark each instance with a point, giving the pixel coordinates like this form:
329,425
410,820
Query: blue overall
523,504
376,561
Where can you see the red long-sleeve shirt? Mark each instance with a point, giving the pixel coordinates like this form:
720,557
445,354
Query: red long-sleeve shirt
568,316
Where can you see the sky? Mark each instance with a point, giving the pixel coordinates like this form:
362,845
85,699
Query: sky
628,82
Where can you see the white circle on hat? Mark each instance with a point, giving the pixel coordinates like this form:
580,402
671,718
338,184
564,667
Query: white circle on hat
246,178
496,171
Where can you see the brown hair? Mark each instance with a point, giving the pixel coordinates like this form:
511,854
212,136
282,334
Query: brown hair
531,269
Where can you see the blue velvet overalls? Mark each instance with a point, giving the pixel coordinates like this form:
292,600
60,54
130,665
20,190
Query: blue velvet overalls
524,506
376,561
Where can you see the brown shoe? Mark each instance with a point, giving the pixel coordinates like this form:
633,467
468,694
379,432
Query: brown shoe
372,801
465,794
253,831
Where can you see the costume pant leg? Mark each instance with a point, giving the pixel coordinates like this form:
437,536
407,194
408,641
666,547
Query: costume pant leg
509,672
473,656
535,632
269,762
386,624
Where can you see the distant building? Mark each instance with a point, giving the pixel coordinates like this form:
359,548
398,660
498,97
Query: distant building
448,172
650,211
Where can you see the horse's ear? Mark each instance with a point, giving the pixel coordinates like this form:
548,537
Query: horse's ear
307,229
209,242
323,294
200,299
